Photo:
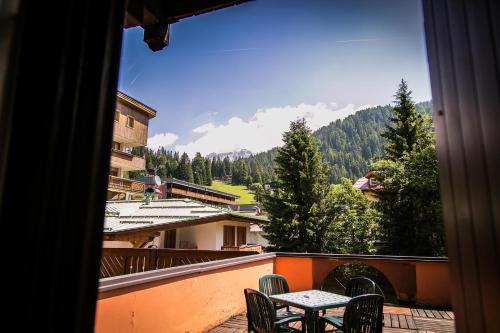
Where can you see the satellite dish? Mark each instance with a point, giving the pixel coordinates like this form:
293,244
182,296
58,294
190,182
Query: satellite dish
157,180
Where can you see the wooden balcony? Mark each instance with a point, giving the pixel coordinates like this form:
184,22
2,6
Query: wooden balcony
126,161
117,184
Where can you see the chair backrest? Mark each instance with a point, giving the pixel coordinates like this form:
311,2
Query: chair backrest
273,284
261,314
364,314
360,286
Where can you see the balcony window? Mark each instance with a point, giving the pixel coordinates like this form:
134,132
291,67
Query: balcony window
116,145
130,122
241,236
117,116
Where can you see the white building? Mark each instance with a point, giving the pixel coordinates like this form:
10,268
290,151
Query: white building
177,223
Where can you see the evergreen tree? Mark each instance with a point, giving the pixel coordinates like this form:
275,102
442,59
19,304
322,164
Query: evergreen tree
220,168
199,173
406,124
185,172
293,207
214,172
227,166
255,172
208,172
240,174
409,200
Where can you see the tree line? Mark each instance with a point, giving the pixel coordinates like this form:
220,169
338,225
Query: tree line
200,170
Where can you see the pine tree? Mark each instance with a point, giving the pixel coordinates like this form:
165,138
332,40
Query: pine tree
409,200
208,172
240,174
199,172
407,124
220,168
255,172
301,184
185,172
227,166
214,171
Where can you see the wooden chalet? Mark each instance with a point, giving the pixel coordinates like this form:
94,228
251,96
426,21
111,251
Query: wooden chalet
175,188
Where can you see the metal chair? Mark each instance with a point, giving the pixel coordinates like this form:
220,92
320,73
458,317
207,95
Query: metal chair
262,316
274,284
360,286
363,314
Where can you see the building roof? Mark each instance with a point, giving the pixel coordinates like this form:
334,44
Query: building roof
198,187
135,215
364,183
136,105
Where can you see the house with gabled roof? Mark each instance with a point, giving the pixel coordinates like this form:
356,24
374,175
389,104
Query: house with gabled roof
368,185
176,223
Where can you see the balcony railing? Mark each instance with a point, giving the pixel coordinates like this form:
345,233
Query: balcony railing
125,185
121,261
244,247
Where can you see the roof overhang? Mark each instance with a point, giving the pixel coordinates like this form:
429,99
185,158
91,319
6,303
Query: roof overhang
136,105
186,223
155,16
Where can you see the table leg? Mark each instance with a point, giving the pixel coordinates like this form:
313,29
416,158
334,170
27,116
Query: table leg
312,321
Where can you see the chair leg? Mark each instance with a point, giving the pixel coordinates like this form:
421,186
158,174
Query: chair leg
321,326
303,321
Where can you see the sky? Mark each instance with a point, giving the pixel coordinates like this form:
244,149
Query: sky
234,79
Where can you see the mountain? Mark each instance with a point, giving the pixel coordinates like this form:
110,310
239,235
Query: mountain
234,155
348,145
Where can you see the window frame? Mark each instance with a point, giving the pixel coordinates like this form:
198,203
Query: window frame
127,123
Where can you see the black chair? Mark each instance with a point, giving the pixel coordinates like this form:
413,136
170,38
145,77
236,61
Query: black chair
263,318
363,314
360,286
274,284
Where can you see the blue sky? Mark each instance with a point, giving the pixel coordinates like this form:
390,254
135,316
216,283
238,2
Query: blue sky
235,78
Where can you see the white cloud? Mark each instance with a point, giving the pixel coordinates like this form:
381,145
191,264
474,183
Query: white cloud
363,107
263,131
161,140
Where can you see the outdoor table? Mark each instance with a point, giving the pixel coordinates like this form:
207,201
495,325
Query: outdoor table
311,301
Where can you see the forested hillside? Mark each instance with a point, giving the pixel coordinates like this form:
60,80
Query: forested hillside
348,145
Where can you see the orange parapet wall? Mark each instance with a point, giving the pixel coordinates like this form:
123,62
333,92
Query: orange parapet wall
191,302
433,284
422,280
297,271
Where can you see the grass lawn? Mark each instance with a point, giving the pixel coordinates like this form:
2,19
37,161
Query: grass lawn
245,196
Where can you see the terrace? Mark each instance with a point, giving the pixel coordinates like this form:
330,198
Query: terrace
208,296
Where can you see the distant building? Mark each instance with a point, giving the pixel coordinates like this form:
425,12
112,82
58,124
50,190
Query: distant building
177,223
130,130
368,185
153,183
175,188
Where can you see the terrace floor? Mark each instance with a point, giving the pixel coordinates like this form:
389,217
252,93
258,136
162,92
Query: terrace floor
396,320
